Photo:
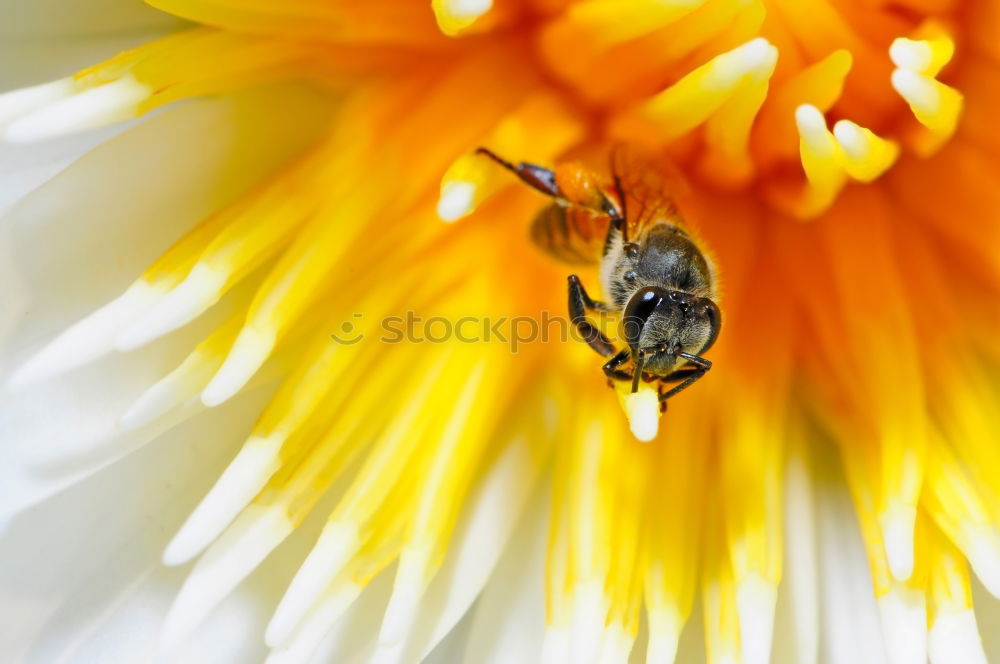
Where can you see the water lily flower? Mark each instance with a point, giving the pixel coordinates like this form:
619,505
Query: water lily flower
212,452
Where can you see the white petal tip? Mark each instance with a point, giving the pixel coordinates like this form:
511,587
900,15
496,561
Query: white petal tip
467,9
983,552
334,548
809,119
192,297
16,103
243,479
897,533
249,540
456,201
954,639
86,340
407,589
755,601
250,350
903,613
758,53
96,107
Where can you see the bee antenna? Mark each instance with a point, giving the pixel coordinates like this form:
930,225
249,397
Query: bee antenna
640,359
497,158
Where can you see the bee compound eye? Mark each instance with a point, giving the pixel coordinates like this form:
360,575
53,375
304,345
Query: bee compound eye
638,310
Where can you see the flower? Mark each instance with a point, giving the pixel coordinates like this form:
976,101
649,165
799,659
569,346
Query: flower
838,161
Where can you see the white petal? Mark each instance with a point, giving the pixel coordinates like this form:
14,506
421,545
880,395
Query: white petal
796,633
508,622
954,639
29,63
79,240
851,632
80,575
490,519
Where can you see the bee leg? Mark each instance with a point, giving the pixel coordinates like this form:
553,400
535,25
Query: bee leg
611,369
537,177
687,375
544,180
579,303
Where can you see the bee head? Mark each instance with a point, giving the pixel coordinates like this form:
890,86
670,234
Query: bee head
663,323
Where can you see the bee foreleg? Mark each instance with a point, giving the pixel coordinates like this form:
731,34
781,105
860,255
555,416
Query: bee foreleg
579,303
686,375
537,177
611,367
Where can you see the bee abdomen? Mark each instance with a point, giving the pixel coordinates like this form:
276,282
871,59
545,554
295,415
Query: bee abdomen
568,234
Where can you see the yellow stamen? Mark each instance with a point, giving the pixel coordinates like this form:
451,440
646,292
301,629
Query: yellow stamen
454,16
865,155
821,160
929,50
184,382
727,132
719,599
692,100
447,469
251,231
935,105
189,64
675,502
608,22
957,508
820,85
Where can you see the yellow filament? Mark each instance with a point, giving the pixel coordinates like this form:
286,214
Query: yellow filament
625,578
821,160
198,62
954,502
207,356
456,16
328,369
928,50
935,105
392,452
727,131
722,624
609,22
820,85
949,588
752,495
590,513
865,155
693,99
314,458
454,461
262,223
675,502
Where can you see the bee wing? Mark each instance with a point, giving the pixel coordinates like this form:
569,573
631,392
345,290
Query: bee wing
571,234
646,187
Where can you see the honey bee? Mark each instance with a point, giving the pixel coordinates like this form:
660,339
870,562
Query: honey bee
651,268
